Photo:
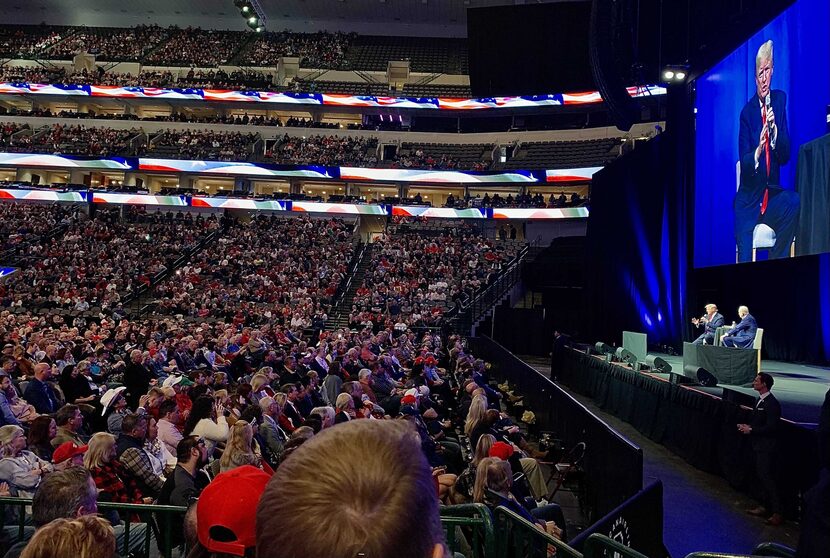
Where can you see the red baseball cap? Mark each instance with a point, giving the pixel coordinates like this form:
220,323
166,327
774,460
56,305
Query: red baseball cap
502,450
409,400
66,451
223,512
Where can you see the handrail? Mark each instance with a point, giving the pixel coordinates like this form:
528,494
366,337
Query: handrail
482,301
471,516
600,546
516,536
163,519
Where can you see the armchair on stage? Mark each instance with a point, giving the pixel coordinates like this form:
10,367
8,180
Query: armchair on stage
763,236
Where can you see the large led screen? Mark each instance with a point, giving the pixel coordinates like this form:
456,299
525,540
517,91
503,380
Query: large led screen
762,176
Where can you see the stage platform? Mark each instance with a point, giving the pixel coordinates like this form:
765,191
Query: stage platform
800,388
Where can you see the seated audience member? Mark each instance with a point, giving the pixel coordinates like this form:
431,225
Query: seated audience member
207,420
114,409
169,417
20,468
39,393
223,514
70,421
68,494
272,434
42,431
109,474
6,413
161,459
494,479
183,484
352,467
131,454
85,537
69,454
239,450
462,492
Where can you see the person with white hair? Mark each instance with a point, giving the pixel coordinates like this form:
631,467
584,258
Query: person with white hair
763,148
742,335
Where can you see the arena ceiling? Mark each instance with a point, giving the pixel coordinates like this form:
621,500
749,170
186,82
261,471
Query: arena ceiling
378,17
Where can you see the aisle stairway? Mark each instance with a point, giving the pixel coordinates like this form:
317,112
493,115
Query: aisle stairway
339,316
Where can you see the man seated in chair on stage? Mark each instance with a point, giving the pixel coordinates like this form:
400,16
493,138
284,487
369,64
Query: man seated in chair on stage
710,322
742,335
764,146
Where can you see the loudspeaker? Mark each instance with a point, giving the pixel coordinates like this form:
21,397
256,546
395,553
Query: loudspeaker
706,378
658,364
626,356
610,26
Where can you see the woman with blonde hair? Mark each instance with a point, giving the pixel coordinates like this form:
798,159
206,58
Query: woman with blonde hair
239,450
109,474
494,479
476,423
20,468
87,536
462,491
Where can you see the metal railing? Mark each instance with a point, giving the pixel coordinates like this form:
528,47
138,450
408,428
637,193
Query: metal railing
516,537
470,312
468,530
159,520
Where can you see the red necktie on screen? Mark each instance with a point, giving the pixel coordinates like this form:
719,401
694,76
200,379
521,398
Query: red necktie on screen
766,155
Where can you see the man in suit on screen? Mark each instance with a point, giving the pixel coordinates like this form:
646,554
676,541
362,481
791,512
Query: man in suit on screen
764,145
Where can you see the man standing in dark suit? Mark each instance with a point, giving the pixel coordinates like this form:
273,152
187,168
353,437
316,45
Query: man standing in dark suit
763,433
763,146
710,322
742,335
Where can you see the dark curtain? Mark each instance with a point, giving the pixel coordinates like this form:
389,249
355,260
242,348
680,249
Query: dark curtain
789,298
637,239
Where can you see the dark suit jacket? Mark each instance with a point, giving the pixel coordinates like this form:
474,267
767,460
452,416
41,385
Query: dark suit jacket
41,397
754,181
712,325
744,332
766,418
341,417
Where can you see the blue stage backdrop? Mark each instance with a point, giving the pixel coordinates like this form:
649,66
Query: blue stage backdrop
636,253
801,61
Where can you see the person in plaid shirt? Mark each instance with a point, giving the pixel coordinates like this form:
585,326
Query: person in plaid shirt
109,474
131,454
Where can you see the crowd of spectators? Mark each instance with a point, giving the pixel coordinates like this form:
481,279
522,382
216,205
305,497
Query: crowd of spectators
219,79
315,50
76,140
199,47
97,262
419,159
224,381
415,279
212,409
269,268
22,224
554,200
202,145
24,41
324,150
107,43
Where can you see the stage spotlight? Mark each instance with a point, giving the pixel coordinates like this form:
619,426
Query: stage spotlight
603,348
260,29
626,356
675,74
246,9
656,363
